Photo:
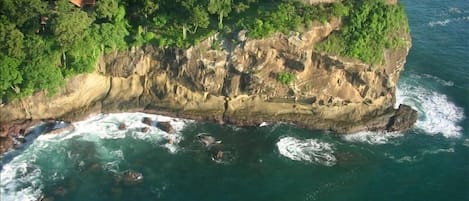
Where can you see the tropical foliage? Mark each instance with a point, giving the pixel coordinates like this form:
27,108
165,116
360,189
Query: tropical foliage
369,28
44,42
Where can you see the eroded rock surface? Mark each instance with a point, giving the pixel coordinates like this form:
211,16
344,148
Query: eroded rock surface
235,84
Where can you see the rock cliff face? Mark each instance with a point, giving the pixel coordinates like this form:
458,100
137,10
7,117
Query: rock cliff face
236,83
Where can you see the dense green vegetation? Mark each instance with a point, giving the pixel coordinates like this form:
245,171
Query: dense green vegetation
43,42
369,28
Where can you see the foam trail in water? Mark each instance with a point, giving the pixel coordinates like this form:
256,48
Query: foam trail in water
372,137
437,115
418,157
439,80
447,21
309,150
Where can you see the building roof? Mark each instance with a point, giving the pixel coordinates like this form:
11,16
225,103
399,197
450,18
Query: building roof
81,3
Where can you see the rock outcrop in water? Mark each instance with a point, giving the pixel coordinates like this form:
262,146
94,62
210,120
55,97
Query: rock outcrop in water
235,84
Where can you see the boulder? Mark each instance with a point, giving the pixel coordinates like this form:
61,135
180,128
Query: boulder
21,139
207,140
9,133
147,121
144,129
403,119
165,126
122,126
67,128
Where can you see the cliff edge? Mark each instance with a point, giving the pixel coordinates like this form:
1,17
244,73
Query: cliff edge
236,81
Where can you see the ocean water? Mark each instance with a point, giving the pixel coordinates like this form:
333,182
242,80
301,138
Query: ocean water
275,162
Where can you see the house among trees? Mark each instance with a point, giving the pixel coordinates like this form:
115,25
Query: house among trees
81,3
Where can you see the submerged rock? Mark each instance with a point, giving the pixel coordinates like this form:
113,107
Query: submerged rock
60,191
132,177
207,140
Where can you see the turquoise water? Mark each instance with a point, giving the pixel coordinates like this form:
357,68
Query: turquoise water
275,162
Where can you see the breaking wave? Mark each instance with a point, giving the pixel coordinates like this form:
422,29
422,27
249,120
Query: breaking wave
106,126
22,178
309,150
20,181
371,137
437,114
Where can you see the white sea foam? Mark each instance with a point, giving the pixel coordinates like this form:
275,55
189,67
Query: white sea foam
309,150
437,114
263,124
439,80
106,126
372,137
20,182
445,22
403,159
21,177
455,10
437,151
419,156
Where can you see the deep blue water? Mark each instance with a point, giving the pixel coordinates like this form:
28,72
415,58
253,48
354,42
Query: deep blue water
276,162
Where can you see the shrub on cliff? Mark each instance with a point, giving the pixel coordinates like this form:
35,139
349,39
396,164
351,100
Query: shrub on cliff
285,78
369,28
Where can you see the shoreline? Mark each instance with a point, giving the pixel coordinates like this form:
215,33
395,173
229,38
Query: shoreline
10,138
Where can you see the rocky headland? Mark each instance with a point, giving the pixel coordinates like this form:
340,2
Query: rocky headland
235,82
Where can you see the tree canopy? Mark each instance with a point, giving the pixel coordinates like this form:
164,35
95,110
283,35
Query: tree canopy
43,42
371,27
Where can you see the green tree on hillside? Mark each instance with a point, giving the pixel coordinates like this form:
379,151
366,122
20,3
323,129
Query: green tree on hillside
11,39
10,76
24,14
40,69
220,7
69,27
195,17
36,53
106,9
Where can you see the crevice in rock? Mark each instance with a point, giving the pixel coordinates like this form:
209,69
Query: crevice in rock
226,104
107,93
26,110
143,81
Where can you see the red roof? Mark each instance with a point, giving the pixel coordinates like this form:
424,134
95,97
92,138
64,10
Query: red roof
81,3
